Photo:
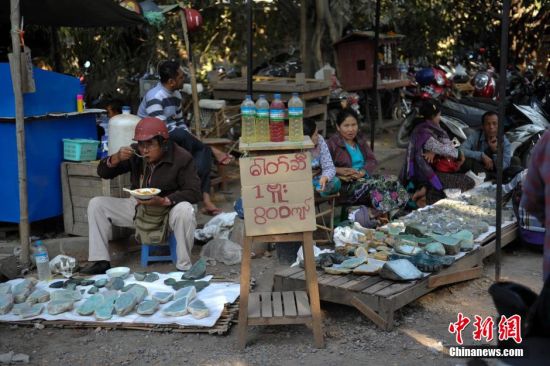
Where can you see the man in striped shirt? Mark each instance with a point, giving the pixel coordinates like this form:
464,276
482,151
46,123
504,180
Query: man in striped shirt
536,193
164,102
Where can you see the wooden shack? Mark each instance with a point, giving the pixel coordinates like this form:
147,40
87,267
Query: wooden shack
355,57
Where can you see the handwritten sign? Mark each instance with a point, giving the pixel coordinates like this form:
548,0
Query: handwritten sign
277,194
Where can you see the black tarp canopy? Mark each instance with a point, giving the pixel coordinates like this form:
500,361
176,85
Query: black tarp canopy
72,13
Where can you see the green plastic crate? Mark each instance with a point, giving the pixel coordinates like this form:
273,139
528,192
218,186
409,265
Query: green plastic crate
80,149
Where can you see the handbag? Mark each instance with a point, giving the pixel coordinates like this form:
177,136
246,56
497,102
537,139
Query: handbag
445,165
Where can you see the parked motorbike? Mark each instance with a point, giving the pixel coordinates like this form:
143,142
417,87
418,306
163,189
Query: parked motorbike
341,99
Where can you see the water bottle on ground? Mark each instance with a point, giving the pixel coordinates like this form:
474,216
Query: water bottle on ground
248,118
42,261
295,118
277,119
262,119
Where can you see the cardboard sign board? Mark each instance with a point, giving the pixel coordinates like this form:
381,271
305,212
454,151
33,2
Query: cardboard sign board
277,194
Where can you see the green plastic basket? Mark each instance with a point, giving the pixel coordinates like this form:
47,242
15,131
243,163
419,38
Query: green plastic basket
80,149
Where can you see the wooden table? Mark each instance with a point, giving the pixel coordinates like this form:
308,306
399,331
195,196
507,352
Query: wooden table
378,298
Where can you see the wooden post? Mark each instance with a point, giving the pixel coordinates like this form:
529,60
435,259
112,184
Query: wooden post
194,93
20,134
375,74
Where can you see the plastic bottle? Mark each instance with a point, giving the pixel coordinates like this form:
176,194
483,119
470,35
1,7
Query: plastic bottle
121,130
262,119
42,261
248,118
80,103
277,119
295,118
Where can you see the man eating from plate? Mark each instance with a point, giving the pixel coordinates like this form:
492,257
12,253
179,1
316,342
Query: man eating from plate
153,162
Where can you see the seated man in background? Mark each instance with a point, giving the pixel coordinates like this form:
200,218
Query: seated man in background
154,162
164,102
480,149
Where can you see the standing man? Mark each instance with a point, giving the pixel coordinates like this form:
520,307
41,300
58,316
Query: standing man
164,102
536,193
153,162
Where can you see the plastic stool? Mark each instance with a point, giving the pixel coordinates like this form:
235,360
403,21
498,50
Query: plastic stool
146,248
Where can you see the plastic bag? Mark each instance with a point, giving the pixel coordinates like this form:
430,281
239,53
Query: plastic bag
63,264
223,250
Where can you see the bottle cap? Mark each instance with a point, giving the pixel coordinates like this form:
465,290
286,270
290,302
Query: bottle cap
126,109
294,94
277,96
79,97
248,96
262,95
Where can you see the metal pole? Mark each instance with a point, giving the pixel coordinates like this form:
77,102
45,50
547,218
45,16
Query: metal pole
504,24
194,92
249,44
24,230
375,73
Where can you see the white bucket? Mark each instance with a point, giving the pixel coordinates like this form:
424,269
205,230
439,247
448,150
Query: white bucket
121,131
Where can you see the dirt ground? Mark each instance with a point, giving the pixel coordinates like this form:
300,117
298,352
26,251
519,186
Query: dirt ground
420,337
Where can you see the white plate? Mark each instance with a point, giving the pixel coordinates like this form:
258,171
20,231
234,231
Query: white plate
144,193
121,272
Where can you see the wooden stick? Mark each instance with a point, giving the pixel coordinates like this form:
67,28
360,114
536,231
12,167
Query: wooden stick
194,92
24,231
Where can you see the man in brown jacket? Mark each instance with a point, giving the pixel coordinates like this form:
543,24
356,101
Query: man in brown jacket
154,162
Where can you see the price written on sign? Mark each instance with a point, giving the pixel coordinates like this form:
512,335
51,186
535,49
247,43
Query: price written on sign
277,194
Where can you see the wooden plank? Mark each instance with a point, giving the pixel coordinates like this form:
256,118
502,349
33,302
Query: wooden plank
287,272
313,290
453,277
369,281
80,229
87,169
315,110
339,281
284,320
378,286
244,291
277,146
80,181
254,310
277,238
395,288
368,312
277,304
508,235
80,214
299,275
289,303
302,303
326,278
79,201
354,282
68,221
265,298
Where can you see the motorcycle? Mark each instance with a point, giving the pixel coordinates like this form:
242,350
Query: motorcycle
431,83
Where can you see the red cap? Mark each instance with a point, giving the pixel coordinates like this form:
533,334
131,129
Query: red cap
150,127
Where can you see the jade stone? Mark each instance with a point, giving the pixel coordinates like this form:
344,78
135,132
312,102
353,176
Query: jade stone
177,308
38,295
140,276
6,303
5,288
163,297
148,307
59,306
100,283
139,291
198,270
198,309
116,283
93,290
151,277
104,311
30,311
90,305
125,303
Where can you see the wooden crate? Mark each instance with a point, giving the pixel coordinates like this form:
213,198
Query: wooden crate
378,298
80,183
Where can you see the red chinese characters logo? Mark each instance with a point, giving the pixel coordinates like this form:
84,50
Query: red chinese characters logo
457,327
508,328
483,328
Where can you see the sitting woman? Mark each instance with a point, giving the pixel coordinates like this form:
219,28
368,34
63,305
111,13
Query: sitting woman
325,180
432,160
355,164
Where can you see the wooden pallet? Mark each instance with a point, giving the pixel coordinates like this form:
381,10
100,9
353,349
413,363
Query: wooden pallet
287,307
221,327
377,298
